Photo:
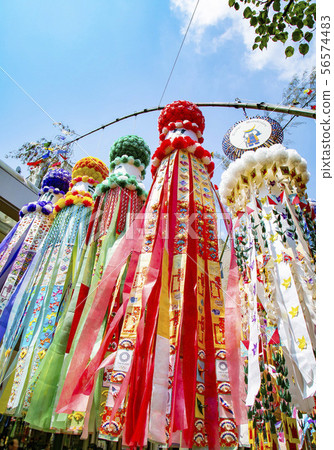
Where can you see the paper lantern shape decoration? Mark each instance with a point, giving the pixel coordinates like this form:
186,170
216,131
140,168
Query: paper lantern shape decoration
41,296
250,134
19,247
274,236
118,199
168,371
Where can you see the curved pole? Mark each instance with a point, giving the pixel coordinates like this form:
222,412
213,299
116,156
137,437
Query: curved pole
262,106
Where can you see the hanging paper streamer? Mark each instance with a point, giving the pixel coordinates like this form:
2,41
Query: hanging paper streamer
35,221
37,307
117,201
274,228
169,373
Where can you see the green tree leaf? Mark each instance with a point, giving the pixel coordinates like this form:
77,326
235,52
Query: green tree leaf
277,5
253,21
297,35
308,36
300,24
303,49
248,12
289,51
280,20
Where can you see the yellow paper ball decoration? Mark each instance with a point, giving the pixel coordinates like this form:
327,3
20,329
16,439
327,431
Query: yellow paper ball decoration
90,167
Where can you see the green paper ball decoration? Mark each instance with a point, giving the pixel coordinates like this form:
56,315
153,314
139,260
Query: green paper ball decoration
130,148
123,181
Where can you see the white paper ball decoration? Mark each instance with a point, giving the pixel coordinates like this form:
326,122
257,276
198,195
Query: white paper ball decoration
279,154
230,182
248,162
294,158
306,177
302,166
262,157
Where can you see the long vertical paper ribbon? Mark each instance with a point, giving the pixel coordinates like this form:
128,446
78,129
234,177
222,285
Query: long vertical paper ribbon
233,329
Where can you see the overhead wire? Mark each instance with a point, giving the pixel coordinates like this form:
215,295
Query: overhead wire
178,53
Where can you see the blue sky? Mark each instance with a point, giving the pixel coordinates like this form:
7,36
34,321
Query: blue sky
86,63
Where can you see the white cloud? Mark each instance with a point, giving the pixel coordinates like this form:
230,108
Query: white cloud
215,23
209,13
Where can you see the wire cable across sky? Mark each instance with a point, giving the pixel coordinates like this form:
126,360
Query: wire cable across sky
178,53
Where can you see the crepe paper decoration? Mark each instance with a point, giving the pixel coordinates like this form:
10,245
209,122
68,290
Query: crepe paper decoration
19,251
39,206
74,197
251,433
274,443
114,209
61,151
190,127
178,143
246,343
272,200
274,340
130,150
34,163
239,216
91,167
293,430
282,232
172,304
123,181
294,199
266,159
181,115
56,179
42,295
47,154
307,91
291,433
84,179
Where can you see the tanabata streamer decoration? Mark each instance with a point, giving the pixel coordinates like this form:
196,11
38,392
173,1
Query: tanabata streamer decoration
20,247
274,234
251,134
167,372
117,201
39,301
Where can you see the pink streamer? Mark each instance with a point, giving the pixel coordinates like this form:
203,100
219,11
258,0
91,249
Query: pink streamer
132,242
78,397
233,331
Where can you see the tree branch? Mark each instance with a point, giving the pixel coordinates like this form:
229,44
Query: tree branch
286,9
268,3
